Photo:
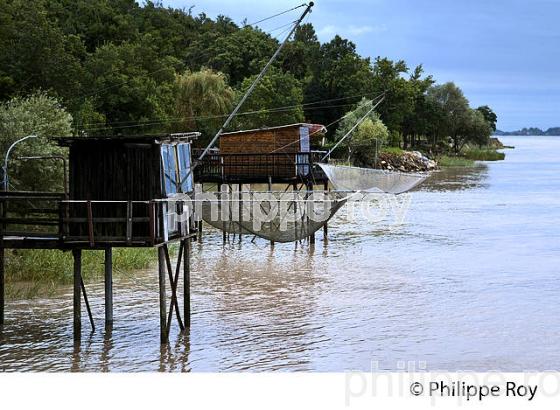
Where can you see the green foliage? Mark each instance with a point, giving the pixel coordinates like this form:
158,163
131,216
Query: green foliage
392,150
456,119
239,54
399,98
339,73
113,65
489,115
33,272
132,85
39,115
35,53
395,139
301,56
363,144
202,97
484,154
478,130
454,161
276,89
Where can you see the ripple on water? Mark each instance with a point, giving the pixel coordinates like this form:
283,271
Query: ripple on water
468,282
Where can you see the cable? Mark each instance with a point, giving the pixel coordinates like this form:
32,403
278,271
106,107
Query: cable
331,123
276,15
306,106
264,111
353,128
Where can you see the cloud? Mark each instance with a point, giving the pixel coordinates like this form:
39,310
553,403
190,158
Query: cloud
326,32
359,30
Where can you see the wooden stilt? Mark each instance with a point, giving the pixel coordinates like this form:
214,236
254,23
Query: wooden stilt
86,301
173,280
77,253
221,194
187,282
108,288
2,273
162,304
326,226
310,193
2,290
240,208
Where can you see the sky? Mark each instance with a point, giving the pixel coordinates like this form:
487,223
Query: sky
502,53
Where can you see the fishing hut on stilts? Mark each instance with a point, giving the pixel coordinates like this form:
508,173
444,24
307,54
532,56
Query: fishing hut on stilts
269,157
121,192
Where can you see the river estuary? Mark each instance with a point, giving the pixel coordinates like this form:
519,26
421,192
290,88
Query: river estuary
470,281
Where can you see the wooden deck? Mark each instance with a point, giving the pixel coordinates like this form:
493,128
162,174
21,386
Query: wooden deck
260,168
44,220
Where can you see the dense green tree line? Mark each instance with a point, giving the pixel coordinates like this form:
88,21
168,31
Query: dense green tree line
119,67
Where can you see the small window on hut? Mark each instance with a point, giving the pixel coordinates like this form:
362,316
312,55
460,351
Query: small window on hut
169,169
185,173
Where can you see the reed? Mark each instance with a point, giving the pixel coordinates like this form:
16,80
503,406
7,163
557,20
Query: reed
484,154
449,161
39,272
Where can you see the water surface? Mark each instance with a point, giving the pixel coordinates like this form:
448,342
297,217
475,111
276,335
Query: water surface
469,282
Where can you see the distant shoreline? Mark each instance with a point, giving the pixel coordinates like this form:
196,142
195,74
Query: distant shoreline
529,132
511,134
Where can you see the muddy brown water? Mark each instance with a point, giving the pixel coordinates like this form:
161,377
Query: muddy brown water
470,281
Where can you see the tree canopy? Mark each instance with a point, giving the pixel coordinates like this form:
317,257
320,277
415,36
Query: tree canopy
121,67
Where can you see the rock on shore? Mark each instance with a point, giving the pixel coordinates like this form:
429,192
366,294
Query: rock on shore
407,161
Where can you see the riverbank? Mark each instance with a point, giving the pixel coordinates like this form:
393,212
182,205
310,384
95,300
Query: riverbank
396,159
257,309
38,273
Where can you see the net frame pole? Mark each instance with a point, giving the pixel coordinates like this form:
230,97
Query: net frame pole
256,82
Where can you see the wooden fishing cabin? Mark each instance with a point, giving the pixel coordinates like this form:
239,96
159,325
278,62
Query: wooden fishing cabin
122,192
282,154
274,155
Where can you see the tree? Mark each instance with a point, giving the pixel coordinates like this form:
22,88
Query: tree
362,145
478,128
300,56
489,115
35,53
132,86
400,95
341,75
97,22
39,115
276,89
239,54
416,120
456,112
202,94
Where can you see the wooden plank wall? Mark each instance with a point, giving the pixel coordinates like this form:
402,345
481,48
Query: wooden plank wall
280,141
113,171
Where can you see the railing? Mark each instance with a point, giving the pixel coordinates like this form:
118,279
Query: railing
93,223
31,214
126,222
257,166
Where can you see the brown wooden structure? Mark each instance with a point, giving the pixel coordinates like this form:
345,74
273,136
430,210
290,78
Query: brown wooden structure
276,155
123,192
273,155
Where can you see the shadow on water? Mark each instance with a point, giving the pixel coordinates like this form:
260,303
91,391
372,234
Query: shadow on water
457,179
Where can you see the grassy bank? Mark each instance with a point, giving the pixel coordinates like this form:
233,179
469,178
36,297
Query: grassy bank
449,161
469,155
484,154
31,273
